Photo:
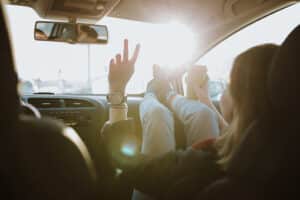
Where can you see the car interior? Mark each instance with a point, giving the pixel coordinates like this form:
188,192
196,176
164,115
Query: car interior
62,82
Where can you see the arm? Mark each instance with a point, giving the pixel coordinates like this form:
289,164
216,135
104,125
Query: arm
121,70
159,175
203,96
168,173
222,122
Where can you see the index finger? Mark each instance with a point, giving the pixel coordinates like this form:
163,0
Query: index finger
136,53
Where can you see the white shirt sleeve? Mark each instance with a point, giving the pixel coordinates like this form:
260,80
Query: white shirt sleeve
118,113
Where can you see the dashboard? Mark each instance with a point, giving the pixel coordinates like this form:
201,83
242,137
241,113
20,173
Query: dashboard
86,114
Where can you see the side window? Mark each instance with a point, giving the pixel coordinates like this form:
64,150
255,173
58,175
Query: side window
271,29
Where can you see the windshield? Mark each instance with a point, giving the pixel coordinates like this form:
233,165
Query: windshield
271,29
81,68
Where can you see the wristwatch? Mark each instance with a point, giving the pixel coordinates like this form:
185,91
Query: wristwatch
116,98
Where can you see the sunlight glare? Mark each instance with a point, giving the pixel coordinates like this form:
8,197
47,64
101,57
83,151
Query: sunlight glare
176,44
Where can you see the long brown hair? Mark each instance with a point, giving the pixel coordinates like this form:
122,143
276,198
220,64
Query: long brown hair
247,88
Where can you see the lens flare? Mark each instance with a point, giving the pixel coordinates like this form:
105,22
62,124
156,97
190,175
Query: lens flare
129,149
177,44
118,172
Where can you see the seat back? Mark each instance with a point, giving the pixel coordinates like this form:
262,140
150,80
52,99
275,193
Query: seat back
40,159
270,143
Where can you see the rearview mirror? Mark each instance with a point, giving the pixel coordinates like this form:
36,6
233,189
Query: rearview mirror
70,32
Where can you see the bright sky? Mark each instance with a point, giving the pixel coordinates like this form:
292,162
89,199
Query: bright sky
272,29
167,45
164,44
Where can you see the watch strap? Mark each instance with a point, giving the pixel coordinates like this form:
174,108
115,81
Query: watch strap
116,98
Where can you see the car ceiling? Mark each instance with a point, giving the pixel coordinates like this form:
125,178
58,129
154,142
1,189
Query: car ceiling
211,20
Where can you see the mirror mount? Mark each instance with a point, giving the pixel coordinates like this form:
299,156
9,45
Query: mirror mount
72,20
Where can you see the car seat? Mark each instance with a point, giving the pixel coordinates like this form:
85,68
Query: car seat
40,159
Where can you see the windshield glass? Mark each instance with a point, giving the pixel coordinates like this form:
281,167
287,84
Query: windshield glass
271,29
81,68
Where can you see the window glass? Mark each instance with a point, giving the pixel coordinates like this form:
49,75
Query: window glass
271,29
81,68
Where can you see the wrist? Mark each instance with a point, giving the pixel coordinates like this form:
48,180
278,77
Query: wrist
116,99
120,91
117,89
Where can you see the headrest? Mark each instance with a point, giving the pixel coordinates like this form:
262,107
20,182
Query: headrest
284,76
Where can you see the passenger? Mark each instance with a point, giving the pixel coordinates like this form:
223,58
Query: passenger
40,35
186,172
86,34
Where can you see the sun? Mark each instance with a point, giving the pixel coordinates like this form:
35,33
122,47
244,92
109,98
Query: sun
176,44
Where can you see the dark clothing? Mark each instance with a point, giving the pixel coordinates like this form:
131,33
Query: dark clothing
178,174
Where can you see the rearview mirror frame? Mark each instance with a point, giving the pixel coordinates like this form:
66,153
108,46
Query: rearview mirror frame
73,29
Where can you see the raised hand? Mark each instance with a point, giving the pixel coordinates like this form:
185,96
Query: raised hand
197,81
121,69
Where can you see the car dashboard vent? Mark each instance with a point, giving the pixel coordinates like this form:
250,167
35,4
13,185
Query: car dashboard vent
46,102
77,103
